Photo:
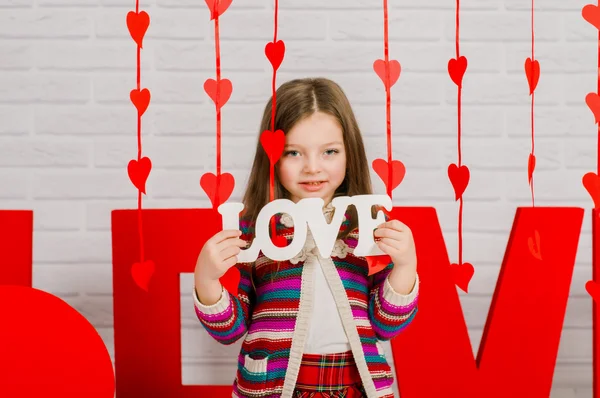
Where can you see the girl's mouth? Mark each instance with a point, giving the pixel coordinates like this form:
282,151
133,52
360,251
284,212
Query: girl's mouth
312,186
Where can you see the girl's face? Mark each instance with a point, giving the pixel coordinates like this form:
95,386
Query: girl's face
313,164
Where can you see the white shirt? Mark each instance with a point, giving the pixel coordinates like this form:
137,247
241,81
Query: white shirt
326,334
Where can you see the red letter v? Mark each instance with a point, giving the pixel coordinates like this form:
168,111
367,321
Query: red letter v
433,357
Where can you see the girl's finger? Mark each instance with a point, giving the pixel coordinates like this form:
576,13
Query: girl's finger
393,224
226,234
388,233
385,248
230,262
391,243
236,242
229,252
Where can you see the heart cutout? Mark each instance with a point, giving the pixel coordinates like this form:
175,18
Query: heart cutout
462,275
223,185
142,273
275,52
591,182
534,245
231,280
210,87
141,99
220,8
456,69
593,102
394,66
593,289
398,171
530,167
377,263
591,13
138,172
138,23
459,177
532,70
273,144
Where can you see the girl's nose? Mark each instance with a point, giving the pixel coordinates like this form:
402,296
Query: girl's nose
311,165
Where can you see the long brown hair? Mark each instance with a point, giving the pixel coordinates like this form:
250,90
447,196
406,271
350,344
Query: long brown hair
296,100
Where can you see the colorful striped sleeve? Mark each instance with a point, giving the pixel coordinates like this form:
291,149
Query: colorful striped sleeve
229,318
390,312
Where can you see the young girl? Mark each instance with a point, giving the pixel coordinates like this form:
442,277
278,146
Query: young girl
312,323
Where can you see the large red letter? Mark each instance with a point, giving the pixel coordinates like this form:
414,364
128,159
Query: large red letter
519,346
16,237
147,324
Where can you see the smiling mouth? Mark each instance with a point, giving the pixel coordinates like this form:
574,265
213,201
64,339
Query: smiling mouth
313,183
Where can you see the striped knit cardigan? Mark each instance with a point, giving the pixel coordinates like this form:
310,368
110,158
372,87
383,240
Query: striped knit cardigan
273,306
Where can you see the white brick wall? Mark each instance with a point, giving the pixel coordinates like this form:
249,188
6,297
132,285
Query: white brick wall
67,128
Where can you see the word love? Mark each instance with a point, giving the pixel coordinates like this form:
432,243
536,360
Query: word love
308,212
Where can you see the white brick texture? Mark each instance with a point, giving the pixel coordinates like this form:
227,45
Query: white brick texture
68,129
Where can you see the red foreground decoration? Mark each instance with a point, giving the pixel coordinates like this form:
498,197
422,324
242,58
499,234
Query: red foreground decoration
47,348
433,356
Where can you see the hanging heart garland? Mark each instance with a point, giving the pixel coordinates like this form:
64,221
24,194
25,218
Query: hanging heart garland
139,169
459,174
273,141
591,180
219,187
390,171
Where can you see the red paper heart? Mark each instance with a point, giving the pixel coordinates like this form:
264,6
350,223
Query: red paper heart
593,289
138,172
137,25
210,86
225,183
275,52
273,144
142,273
530,166
377,263
532,70
141,99
456,69
591,182
593,102
534,245
591,13
462,275
220,9
398,171
459,177
379,68
49,349
231,280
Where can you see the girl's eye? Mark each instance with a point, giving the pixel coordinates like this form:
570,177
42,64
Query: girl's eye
331,151
290,153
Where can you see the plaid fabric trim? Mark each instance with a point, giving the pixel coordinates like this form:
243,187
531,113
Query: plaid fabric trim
334,373
348,392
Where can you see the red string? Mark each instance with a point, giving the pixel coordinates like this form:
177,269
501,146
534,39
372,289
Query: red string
139,141
273,109
598,144
459,134
388,96
532,105
218,100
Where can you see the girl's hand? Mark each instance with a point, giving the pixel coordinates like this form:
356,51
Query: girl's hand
218,255
396,240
